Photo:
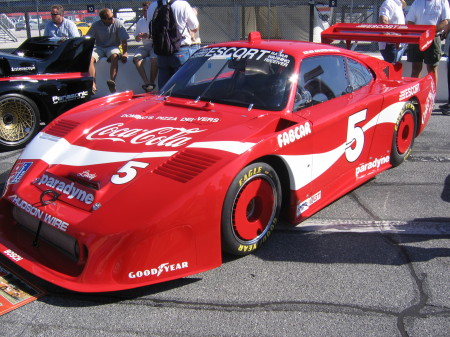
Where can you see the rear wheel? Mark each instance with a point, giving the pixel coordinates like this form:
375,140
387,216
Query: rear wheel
251,209
19,121
404,134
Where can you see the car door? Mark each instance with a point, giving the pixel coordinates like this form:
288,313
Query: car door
336,94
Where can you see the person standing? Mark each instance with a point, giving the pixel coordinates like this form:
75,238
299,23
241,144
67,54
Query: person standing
59,26
391,11
109,35
427,12
187,22
141,34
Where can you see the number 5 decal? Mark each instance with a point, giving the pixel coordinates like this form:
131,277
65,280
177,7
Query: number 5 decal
129,172
355,136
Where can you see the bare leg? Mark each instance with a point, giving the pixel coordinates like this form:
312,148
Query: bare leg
141,70
153,69
433,69
92,73
416,69
114,66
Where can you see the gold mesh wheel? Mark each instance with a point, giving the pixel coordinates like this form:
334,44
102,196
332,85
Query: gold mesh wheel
19,119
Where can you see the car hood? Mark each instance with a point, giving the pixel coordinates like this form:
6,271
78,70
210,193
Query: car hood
108,143
150,123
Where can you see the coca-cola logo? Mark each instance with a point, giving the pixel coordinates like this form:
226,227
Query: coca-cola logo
165,136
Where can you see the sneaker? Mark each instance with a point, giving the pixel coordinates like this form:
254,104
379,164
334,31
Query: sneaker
148,87
445,106
111,86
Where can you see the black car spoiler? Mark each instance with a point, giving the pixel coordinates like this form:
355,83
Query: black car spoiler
422,35
52,55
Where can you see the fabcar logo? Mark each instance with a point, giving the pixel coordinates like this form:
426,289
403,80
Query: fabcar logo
294,134
162,268
68,190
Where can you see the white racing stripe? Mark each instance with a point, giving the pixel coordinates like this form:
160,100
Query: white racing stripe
368,226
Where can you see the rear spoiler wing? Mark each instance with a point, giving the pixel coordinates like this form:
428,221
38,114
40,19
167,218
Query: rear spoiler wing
422,35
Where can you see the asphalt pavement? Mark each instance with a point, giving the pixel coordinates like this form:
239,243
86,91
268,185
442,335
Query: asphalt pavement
374,263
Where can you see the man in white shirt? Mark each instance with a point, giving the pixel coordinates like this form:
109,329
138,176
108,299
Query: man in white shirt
187,22
141,34
427,12
391,11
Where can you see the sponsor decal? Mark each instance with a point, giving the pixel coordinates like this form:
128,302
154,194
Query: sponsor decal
68,189
71,97
18,172
398,27
29,68
38,213
87,174
365,168
304,205
162,268
165,136
249,174
174,118
135,116
200,119
248,53
429,103
294,134
324,50
409,92
12,255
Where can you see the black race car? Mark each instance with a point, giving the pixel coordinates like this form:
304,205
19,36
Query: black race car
38,81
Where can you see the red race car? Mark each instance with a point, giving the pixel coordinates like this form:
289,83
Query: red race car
129,190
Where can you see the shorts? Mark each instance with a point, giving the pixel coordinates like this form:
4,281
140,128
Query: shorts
430,56
145,51
100,52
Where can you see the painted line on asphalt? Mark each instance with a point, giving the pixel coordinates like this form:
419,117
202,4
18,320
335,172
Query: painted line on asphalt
368,226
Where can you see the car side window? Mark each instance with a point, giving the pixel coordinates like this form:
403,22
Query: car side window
359,75
321,78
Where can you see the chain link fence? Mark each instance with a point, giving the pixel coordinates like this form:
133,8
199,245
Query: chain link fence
220,20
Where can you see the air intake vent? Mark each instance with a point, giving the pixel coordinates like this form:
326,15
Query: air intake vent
186,165
61,128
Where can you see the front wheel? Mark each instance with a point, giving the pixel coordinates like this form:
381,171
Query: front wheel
251,209
19,121
404,134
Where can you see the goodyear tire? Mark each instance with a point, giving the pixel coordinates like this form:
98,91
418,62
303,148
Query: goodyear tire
251,209
404,134
19,121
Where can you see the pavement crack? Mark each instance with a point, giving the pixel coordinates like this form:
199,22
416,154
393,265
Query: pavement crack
366,208
419,302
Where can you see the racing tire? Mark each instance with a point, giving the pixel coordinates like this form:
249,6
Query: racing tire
251,209
404,134
19,121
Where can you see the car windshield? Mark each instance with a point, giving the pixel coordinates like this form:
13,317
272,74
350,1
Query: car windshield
251,78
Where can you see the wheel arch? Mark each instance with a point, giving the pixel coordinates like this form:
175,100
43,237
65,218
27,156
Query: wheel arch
415,101
42,107
283,175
